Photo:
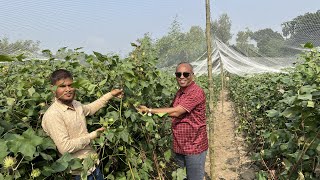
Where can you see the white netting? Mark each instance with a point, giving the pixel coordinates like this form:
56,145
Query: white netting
261,48
302,29
236,63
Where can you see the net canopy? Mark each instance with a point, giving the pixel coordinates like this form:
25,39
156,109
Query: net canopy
235,62
244,42
264,50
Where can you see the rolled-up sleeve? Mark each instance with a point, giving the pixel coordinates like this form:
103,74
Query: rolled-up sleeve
93,107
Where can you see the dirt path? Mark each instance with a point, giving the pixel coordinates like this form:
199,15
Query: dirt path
231,159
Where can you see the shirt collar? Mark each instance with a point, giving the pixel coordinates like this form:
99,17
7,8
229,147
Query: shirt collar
187,89
64,107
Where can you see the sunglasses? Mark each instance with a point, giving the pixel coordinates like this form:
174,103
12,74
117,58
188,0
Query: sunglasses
185,74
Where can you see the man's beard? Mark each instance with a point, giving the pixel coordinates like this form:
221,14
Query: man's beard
66,101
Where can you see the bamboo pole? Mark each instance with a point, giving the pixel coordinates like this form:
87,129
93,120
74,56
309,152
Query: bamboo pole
222,83
211,91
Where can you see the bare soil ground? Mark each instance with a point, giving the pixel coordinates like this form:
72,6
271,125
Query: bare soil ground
232,161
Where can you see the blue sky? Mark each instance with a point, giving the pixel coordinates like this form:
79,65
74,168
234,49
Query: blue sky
111,25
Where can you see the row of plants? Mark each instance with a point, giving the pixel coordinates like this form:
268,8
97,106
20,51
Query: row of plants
134,146
279,115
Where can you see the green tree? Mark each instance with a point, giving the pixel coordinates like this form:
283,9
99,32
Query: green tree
243,43
269,42
221,28
194,43
169,45
26,47
303,29
179,46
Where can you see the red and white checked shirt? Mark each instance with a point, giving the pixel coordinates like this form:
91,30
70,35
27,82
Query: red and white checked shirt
189,130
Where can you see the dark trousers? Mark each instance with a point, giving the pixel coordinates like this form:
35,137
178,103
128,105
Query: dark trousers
95,175
194,164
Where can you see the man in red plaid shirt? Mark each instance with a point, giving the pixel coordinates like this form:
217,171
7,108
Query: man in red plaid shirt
188,112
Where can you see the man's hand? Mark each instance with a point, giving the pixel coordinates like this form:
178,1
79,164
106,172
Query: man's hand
142,109
99,131
117,93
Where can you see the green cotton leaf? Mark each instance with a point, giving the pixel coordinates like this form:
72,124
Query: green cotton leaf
318,148
16,175
273,138
262,176
54,88
47,171
285,80
147,165
267,153
84,175
258,106
65,158
102,83
272,113
289,100
283,147
59,166
305,157
133,117
1,130
27,149
144,84
310,104
75,164
289,112
166,92
287,164
133,174
110,136
129,85
124,135
307,89
46,156
80,83
88,163
92,88
297,155
14,142
179,174
3,149
47,143
129,74
122,178
10,101
161,114
134,45
266,135
32,138
6,58
167,155
127,114
157,136
62,163
308,45
31,91
305,97
25,144
110,176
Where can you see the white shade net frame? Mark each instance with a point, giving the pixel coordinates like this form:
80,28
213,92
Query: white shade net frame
236,63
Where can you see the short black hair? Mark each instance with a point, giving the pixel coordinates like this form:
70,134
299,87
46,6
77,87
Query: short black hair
60,74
